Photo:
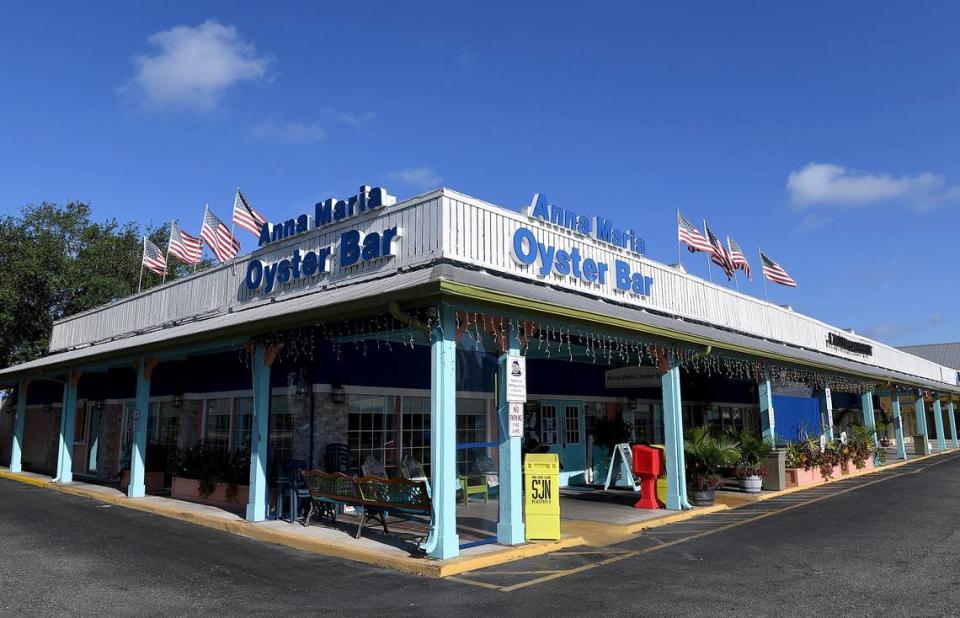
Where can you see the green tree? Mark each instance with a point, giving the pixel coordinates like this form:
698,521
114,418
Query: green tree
55,261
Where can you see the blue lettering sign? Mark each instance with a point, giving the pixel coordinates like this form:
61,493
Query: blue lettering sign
601,229
328,212
547,259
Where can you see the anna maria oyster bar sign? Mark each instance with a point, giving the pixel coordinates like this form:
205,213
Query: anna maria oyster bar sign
353,247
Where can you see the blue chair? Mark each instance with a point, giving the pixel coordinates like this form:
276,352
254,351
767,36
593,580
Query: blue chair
291,487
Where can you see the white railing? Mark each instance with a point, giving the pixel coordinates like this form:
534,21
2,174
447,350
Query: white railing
460,228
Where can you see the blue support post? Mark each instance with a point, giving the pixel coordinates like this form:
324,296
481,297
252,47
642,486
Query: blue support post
68,419
951,410
898,424
443,542
673,438
826,412
768,422
263,357
16,452
869,419
920,411
938,423
138,442
510,529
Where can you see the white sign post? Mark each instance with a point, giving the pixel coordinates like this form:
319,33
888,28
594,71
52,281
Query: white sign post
516,379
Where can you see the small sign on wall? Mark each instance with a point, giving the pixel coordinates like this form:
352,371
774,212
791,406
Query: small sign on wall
516,379
515,424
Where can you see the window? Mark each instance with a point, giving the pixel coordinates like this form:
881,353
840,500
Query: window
169,425
281,430
371,428
243,425
415,438
154,409
571,418
217,427
548,424
471,429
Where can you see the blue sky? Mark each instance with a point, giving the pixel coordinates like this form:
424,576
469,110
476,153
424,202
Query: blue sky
825,132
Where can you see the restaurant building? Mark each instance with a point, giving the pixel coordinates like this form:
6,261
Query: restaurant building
387,327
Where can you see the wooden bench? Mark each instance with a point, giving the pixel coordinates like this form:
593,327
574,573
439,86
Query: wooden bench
374,496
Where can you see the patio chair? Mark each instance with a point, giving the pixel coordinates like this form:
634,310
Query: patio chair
338,459
373,467
291,487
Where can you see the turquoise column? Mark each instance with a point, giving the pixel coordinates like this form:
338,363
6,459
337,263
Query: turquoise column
938,423
257,501
16,452
443,542
869,418
920,411
898,424
68,419
138,441
510,529
826,412
673,438
951,410
767,419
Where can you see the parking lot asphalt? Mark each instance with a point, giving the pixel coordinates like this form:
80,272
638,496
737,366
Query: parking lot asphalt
884,543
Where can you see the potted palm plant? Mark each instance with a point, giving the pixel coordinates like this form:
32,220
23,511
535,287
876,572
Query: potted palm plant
750,470
706,455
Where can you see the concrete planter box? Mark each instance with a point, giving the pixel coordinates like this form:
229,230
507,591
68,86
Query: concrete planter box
798,477
189,489
867,465
153,481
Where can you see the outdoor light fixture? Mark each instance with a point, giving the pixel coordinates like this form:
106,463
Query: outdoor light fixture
177,401
338,394
98,405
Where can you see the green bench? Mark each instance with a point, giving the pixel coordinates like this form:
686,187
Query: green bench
375,497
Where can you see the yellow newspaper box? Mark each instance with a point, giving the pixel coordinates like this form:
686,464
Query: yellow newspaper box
541,489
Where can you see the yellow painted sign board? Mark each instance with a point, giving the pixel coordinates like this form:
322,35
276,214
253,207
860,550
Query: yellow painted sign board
541,496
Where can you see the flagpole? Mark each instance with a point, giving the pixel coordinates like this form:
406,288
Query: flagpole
679,260
766,297
206,207
233,266
142,253
707,255
169,237
736,279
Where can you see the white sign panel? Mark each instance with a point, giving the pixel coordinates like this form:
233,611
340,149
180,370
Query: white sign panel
515,425
516,379
632,377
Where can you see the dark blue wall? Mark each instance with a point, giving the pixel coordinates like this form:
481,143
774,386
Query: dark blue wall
794,414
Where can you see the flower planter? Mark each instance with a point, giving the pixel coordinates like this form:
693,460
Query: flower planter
751,484
798,477
152,481
702,497
189,489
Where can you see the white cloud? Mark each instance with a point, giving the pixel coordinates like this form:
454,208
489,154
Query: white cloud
890,330
192,67
294,132
419,177
354,120
829,184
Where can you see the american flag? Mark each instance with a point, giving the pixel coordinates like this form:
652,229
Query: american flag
738,258
689,234
153,258
186,247
774,272
218,237
245,216
720,256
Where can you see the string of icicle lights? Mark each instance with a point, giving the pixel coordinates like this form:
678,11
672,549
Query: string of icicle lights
540,339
